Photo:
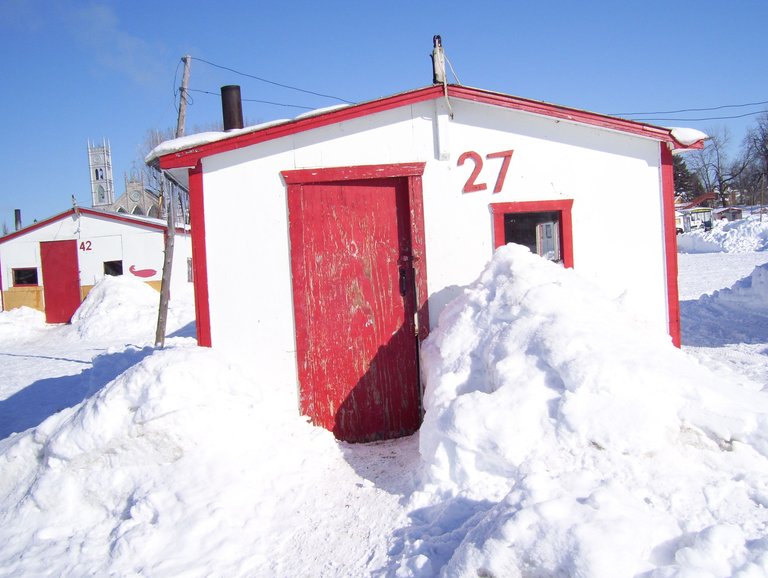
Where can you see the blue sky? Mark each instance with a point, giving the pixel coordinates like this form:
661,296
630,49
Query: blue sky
77,71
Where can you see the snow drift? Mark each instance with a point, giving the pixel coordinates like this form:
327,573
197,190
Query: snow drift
561,438
607,451
182,440
742,236
130,305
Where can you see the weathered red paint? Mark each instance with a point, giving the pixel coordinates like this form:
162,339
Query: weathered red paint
506,157
355,300
61,280
472,186
670,242
564,206
199,256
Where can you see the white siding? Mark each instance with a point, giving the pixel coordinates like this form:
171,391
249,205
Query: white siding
613,178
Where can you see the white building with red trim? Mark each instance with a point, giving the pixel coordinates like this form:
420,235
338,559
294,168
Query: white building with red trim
53,264
364,220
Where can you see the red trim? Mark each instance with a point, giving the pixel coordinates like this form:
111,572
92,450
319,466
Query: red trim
191,156
93,213
418,250
563,206
563,112
199,256
670,242
306,176
411,171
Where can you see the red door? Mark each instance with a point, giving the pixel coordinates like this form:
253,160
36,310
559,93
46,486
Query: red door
354,303
61,280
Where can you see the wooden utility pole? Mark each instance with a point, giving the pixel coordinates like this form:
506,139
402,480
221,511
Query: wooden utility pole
183,97
165,286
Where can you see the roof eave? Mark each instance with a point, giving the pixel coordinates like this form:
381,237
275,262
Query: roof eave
190,157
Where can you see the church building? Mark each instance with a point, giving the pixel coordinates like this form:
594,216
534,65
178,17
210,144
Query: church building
137,199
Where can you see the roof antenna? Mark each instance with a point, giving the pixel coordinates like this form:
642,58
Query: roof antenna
438,69
438,61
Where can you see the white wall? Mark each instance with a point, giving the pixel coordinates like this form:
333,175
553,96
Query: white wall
99,240
613,178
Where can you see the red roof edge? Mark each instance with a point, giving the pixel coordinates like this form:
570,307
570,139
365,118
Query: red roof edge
189,157
124,218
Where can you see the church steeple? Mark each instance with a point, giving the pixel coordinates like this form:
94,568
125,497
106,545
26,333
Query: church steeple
102,185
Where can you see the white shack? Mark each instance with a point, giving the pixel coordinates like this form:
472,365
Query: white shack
364,221
53,264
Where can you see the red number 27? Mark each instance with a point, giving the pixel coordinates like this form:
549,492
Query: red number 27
471,185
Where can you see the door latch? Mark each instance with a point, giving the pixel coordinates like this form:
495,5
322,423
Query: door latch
403,282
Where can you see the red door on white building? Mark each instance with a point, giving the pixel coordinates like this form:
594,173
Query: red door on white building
355,305
61,280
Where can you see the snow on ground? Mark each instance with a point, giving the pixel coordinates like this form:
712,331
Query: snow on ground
742,236
560,439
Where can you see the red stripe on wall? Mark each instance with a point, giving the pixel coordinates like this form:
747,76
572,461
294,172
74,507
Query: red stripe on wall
670,242
199,256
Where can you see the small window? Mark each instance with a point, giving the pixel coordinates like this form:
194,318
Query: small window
545,227
114,268
26,276
190,274
537,231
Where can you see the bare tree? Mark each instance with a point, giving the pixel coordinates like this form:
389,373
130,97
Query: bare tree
711,164
757,145
158,182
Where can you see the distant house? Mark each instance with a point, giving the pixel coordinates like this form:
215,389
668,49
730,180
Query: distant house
52,265
367,219
728,214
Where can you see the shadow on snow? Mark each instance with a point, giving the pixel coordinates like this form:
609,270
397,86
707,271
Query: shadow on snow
32,405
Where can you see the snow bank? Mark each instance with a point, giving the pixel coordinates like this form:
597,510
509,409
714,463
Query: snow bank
749,294
742,236
172,468
21,324
606,451
129,307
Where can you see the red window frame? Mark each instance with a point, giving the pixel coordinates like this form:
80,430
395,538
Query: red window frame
563,207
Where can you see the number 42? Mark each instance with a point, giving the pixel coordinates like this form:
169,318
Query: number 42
471,185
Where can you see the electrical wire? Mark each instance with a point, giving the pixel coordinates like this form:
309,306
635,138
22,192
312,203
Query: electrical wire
456,76
701,119
273,82
693,109
255,100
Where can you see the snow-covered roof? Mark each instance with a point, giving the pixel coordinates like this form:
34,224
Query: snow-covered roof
688,136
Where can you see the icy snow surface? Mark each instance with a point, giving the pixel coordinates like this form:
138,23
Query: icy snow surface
560,439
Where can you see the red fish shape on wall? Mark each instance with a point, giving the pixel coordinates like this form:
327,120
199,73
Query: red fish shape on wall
141,272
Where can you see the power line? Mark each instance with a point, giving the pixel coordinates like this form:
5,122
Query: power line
699,119
695,109
255,100
273,82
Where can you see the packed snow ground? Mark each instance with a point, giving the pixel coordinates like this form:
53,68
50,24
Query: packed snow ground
560,439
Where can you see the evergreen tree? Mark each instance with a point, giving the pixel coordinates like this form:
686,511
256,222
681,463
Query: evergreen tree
687,184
